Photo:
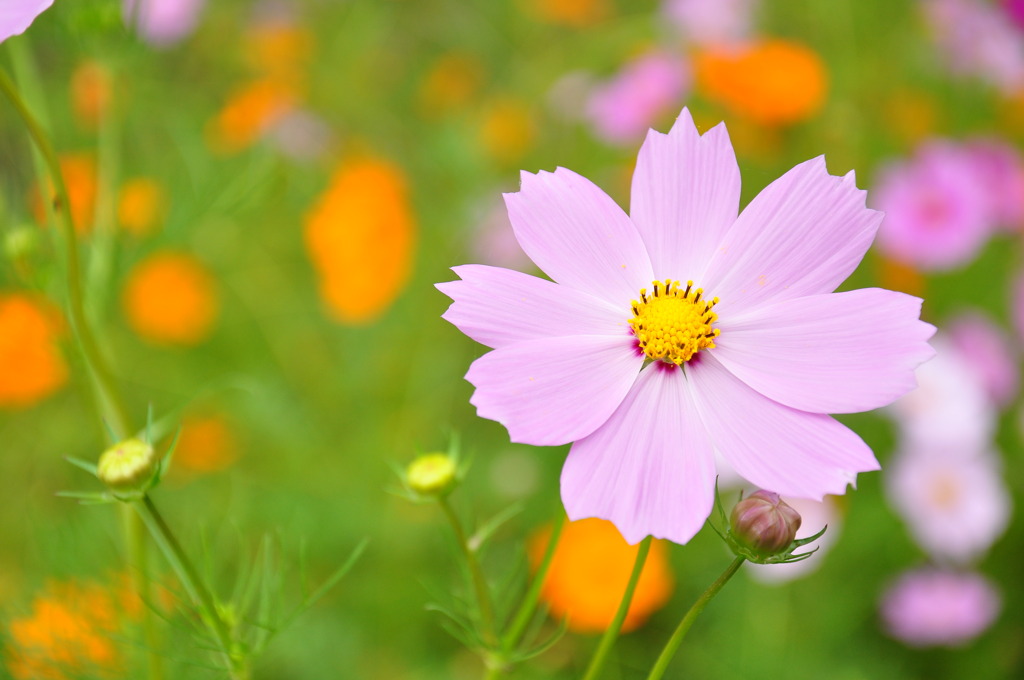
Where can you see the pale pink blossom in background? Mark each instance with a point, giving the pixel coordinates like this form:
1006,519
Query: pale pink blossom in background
494,243
1001,170
938,212
950,406
564,97
621,109
987,350
976,39
711,22
934,608
303,136
567,366
18,15
814,515
163,23
954,502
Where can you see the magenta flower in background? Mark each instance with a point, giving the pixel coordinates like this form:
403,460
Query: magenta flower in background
934,608
987,350
1001,171
975,39
1015,10
938,212
954,501
950,407
711,22
624,107
163,23
18,15
687,327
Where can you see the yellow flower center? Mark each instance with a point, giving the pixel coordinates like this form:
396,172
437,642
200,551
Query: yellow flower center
674,323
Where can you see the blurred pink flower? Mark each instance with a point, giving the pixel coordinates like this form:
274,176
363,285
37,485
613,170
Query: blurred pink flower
930,608
18,15
711,22
815,515
648,380
975,39
302,136
1001,171
623,108
163,23
989,352
1017,306
950,406
1015,9
954,501
937,208
494,243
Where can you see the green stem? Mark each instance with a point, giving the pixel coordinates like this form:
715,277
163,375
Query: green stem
135,537
201,596
476,574
612,633
529,605
677,637
103,376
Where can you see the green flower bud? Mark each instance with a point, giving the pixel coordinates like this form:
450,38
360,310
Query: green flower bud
432,474
763,524
128,465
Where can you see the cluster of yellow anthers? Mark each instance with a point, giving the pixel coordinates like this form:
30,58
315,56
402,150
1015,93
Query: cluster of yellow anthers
673,323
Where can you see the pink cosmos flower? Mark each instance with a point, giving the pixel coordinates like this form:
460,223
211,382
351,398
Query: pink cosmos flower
18,15
938,212
623,108
976,39
953,500
163,23
686,327
1015,10
987,350
930,608
1001,169
711,22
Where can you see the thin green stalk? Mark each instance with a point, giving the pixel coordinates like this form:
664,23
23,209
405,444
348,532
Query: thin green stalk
135,537
684,626
202,598
529,605
103,376
612,633
476,574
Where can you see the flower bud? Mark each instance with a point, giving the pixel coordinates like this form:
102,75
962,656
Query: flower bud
127,466
764,524
432,474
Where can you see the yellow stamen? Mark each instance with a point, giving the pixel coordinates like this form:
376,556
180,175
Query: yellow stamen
674,323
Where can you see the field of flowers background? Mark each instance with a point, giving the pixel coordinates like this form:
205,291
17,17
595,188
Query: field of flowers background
266,193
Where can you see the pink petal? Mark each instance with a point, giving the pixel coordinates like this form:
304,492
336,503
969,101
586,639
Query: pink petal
579,236
686,194
775,447
18,15
651,468
833,353
553,391
802,235
497,307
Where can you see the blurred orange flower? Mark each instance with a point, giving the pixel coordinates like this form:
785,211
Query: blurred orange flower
507,130
31,366
141,205
772,82
92,90
450,84
69,634
576,13
79,172
360,237
206,444
589,573
250,112
278,49
171,298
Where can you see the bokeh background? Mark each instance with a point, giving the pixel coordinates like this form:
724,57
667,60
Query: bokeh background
266,193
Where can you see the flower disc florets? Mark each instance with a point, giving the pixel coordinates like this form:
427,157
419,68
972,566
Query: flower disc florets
674,323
